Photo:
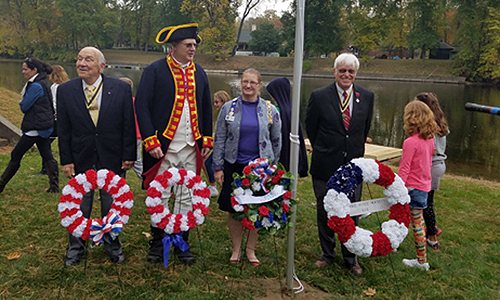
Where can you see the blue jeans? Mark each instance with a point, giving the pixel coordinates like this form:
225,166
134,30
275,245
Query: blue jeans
210,168
418,199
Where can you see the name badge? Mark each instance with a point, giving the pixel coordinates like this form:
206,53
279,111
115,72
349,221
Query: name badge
230,115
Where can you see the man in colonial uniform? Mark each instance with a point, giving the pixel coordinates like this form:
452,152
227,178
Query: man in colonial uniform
174,113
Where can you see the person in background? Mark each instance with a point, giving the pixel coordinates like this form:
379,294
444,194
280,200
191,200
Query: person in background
174,111
37,124
338,120
58,76
247,128
220,97
96,128
438,166
415,171
279,89
137,168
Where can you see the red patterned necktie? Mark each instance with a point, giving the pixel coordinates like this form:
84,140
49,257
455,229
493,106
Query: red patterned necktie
346,115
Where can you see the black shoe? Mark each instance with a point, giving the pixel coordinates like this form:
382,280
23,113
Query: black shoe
118,259
186,258
71,262
154,258
41,173
53,172
52,190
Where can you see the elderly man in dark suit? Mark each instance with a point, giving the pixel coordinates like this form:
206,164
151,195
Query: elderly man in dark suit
96,128
337,123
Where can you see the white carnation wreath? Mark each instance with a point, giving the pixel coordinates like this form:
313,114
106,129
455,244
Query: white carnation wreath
176,223
97,229
357,240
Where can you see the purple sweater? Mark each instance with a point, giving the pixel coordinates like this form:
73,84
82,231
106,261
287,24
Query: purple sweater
248,145
416,163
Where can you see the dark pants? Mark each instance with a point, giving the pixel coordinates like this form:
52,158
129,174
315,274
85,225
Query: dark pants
77,245
26,142
326,235
429,216
210,168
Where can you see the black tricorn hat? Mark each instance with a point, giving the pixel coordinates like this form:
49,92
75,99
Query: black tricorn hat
178,33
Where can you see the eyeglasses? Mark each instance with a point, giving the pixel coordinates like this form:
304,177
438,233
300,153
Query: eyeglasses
189,45
351,71
252,83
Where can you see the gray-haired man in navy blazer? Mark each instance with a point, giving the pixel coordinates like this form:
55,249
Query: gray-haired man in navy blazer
95,132
337,123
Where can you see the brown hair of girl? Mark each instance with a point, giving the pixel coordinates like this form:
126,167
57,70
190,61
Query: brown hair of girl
418,118
58,75
222,95
432,101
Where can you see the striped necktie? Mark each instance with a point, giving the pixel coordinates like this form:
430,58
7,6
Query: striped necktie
346,114
90,94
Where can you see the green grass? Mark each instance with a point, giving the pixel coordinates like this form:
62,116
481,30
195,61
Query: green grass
467,267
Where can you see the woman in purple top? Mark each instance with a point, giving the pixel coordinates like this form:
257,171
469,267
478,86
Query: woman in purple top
247,128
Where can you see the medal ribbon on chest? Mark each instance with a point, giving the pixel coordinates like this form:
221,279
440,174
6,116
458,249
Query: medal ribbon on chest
345,103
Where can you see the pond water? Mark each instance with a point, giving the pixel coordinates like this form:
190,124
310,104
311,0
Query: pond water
473,145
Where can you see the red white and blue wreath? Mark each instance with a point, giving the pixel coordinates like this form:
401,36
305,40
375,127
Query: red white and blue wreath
261,196
175,224
340,188
98,230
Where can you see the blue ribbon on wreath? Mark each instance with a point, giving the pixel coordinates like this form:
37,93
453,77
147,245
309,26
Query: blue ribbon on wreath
177,241
106,229
264,173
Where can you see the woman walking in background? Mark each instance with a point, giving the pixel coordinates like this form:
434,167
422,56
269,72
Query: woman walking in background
438,166
37,124
58,76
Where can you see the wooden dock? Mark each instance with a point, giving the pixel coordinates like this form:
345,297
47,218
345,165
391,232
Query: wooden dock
373,151
382,153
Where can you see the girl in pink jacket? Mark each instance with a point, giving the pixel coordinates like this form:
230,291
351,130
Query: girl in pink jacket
415,170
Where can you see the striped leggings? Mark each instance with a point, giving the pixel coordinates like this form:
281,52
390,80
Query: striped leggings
418,225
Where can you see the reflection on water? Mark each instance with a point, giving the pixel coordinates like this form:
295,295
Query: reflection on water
473,145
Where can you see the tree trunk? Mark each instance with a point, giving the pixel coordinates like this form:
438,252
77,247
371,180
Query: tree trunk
238,36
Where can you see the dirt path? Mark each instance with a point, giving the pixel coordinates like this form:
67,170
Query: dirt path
6,149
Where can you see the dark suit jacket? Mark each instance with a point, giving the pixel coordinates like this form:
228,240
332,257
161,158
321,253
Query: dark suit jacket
109,143
332,144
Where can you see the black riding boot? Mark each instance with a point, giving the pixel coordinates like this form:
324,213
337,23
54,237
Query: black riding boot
7,175
155,254
187,257
42,172
53,172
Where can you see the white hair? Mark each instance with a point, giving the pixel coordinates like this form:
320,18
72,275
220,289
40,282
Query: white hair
102,60
347,59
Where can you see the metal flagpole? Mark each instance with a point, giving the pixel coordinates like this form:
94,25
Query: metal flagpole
294,135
